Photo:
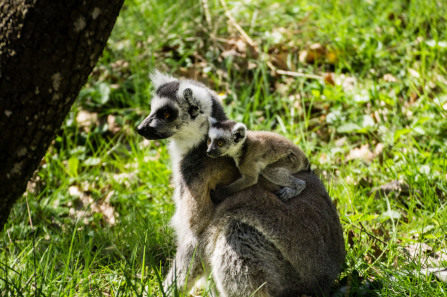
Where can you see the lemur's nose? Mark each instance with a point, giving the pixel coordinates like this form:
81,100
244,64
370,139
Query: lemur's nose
141,128
213,153
144,128
146,131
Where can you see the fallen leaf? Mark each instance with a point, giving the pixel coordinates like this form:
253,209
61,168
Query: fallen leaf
362,153
351,236
74,191
315,52
84,206
112,124
329,78
426,254
389,78
382,232
394,186
414,73
439,273
86,120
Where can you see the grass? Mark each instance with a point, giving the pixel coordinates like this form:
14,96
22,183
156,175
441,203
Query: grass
100,202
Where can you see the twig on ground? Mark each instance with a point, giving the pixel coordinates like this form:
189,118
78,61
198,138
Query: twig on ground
241,31
362,228
298,74
29,213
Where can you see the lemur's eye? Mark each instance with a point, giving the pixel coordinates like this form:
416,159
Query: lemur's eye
167,115
208,141
220,143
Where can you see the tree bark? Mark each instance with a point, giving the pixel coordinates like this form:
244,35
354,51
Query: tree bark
47,50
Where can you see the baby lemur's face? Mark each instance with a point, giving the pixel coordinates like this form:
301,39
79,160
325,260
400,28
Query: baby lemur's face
218,142
224,138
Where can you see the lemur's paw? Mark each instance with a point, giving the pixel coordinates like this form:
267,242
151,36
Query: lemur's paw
286,193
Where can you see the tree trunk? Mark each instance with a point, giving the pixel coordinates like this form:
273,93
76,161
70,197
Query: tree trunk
47,50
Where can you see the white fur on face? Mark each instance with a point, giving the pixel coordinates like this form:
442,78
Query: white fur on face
158,102
234,149
201,94
159,78
215,133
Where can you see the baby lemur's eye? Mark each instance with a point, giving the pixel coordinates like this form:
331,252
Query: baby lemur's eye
208,141
167,115
220,142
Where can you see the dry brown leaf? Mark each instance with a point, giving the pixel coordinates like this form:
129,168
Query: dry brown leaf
315,52
393,186
84,206
74,191
382,232
414,73
113,127
351,236
279,56
425,252
86,120
362,153
389,78
329,78
119,65
235,47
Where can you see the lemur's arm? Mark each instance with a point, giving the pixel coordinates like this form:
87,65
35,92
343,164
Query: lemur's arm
250,174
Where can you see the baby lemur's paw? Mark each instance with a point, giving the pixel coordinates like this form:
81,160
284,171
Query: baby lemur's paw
286,193
218,195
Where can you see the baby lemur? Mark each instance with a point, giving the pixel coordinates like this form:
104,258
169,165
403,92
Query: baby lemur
257,152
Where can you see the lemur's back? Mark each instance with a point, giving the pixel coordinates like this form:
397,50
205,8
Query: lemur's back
273,147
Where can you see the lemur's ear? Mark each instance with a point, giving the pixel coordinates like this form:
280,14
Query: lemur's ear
212,121
187,93
194,108
239,132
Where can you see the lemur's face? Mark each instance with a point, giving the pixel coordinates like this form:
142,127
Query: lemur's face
177,108
219,142
166,116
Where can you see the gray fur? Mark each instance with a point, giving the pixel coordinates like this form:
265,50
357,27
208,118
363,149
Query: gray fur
261,152
247,244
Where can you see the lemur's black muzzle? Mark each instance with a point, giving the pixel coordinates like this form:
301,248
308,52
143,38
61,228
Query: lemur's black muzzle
149,132
213,153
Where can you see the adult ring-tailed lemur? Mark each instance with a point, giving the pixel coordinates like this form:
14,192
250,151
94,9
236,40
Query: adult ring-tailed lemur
251,241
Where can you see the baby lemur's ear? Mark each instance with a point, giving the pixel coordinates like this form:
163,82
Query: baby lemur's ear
239,132
212,121
194,108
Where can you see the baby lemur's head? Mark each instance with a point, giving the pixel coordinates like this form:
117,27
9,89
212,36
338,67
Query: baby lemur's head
225,138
